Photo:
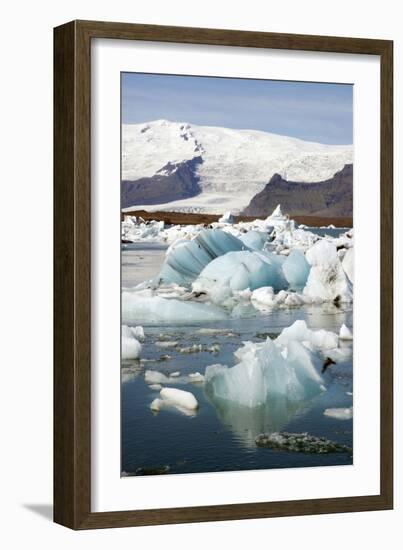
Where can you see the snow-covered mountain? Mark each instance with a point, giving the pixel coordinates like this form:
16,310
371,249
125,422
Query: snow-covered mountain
179,166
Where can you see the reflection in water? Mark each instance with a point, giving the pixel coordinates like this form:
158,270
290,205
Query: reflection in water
246,422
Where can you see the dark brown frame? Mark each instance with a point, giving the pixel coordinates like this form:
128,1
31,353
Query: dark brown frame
72,268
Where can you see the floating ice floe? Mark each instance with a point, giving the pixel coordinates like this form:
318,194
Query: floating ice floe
345,333
266,370
155,387
172,397
155,377
131,347
150,309
166,344
340,414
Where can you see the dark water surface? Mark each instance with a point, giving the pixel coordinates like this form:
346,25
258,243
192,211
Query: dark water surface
221,436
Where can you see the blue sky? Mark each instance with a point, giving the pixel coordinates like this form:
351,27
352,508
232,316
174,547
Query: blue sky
311,111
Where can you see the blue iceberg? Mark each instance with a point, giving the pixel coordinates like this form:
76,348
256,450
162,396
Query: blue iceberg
185,261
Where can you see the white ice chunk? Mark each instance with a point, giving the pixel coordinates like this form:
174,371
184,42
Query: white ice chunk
157,310
327,280
345,333
166,344
155,387
153,377
179,398
131,347
298,331
296,269
156,405
348,263
196,377
254,239
227,218
340,414
137,332
263,298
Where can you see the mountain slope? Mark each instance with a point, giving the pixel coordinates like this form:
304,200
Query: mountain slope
235,165
329,198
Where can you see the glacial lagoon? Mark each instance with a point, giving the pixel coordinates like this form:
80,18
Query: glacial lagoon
220,435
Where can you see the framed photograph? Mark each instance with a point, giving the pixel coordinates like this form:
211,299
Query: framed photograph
222,274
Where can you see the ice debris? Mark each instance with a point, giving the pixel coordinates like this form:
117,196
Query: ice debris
152,377
300,443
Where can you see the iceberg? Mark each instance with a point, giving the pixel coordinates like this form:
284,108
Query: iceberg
267,370
327,280
186,260
227,218
131,347
238,271
296,269
254,239
348,264
148,310
317,340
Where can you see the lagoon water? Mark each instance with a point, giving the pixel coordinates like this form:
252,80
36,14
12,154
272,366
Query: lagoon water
220,436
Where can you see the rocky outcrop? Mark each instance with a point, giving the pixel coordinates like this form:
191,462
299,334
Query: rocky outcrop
172,182
329,198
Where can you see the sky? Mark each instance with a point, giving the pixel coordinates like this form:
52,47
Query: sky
311,111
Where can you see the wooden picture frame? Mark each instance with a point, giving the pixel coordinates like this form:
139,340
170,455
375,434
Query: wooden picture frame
72,274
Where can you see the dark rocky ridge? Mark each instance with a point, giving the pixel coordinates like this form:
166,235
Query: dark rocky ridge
172,182
329,198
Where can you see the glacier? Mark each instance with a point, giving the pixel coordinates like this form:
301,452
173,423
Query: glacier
236,163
